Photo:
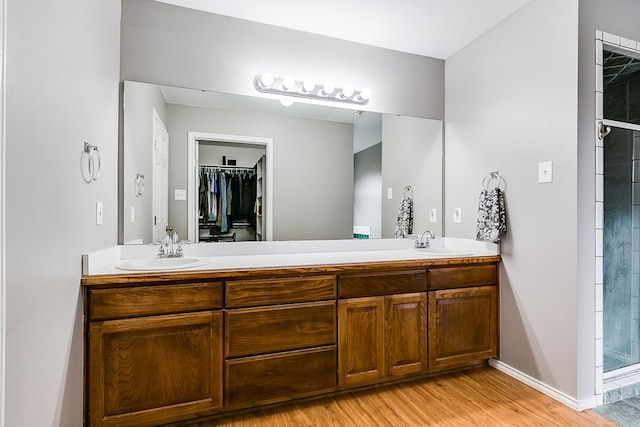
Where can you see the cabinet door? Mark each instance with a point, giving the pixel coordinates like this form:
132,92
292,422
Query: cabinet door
406,333
462,326
360,340
154,370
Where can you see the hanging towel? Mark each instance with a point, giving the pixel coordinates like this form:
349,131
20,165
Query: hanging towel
404,221
492,216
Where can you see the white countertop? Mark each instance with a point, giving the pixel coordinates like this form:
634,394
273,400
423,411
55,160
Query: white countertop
242,255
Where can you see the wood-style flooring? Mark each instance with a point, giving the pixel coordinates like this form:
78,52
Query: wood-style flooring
477,397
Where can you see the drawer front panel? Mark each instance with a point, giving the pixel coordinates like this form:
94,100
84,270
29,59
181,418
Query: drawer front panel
462,277
279,328
396,282
278,377
136,301
252,293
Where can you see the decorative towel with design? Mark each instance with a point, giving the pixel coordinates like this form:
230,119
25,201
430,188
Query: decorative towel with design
404,221
492,216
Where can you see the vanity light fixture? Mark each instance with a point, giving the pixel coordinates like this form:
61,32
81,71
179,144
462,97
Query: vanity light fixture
308,88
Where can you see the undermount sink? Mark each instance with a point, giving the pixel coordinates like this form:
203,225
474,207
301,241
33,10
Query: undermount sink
443,252
159,264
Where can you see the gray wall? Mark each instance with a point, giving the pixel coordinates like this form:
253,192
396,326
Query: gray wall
412,155
619,17
175,46
137,158
312,168
511,103
367,189
62,73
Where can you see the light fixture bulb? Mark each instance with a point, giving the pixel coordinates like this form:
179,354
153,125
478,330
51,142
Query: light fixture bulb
288,82
266,79
286,102
347,92
328,88
365,94
308,85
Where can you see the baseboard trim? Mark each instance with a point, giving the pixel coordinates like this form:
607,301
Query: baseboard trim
578,405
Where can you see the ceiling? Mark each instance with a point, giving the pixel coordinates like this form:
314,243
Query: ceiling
619,66
434,28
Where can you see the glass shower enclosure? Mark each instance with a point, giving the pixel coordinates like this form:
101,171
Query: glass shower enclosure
621,218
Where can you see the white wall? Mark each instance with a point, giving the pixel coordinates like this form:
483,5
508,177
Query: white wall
62,73
174,46
411,155
139,104
247,157
367,189
511,102
312,168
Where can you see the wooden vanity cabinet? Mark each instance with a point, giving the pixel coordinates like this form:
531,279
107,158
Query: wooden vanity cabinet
146,367
170,348
463,315
381,337
280,340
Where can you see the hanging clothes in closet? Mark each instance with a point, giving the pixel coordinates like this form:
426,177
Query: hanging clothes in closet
226,195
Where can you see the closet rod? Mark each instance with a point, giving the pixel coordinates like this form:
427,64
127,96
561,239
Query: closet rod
247,168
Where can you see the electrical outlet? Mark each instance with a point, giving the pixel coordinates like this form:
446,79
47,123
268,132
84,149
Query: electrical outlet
432,215
180,194
99,213
133,214
457,215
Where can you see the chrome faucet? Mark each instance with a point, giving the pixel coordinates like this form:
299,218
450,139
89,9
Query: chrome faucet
170,245
423,241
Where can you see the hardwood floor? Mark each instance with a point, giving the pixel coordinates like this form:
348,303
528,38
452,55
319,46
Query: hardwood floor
478,397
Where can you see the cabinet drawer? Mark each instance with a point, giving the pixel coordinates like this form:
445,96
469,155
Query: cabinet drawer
280,376
252,293
395,282
279,328
155,299
462,277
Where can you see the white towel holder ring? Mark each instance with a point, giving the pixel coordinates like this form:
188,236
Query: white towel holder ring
495,175
90,163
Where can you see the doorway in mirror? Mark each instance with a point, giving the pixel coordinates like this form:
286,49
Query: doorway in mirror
228,192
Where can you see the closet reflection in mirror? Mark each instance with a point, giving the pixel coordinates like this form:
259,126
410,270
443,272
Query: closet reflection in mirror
308,166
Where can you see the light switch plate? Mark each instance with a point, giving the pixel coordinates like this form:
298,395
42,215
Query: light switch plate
99,213
545,172
457,215
389,193
180,194
432,215
133,214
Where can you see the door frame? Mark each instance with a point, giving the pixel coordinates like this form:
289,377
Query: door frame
192,173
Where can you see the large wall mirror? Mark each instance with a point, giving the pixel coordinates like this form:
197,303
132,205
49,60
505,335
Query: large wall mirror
299,172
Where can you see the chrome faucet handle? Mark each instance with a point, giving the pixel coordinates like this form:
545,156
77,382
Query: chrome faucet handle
423,241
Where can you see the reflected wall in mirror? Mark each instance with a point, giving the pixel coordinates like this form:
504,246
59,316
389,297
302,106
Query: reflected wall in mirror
314,184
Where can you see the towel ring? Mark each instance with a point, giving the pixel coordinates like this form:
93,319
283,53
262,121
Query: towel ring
405,190
138,185
93,162
493,176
